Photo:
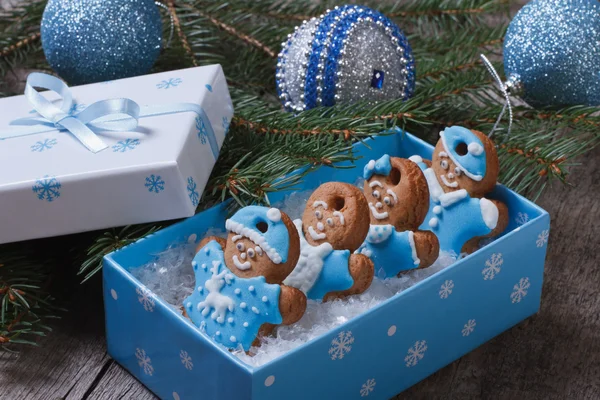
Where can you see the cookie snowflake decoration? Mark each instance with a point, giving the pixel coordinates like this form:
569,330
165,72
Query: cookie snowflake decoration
463,169
238,295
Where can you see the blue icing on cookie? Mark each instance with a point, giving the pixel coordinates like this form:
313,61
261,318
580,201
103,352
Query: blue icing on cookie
320,269
391,251
228,308
264,227
455,217
382,166
473,162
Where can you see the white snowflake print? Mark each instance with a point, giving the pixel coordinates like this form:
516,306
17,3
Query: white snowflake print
186,360
341,345
492,266
46,144
192,192
145,298
226,125
202,131
446,289
367,387
522,218
47,188
469,327
124,145
542,238
416,353
144,361
169,83
155,183
520,290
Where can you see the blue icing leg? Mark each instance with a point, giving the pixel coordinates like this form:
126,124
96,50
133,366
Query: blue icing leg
335,275
228,308
392,253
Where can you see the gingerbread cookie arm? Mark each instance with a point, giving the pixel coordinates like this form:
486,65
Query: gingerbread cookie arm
292,304
428,247
473,244
222,242
362,271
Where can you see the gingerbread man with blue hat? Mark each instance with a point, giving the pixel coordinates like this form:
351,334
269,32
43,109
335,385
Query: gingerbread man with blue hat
463,169
398,200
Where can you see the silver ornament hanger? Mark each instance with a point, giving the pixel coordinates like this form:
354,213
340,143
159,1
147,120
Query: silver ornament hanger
504,89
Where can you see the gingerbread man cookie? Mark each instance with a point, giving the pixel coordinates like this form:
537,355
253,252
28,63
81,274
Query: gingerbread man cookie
334,224
463,169
239,295
398,201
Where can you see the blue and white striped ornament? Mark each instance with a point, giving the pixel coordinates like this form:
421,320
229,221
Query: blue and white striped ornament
348,55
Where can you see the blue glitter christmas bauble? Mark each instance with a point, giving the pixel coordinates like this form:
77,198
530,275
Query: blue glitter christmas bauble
350,54
89,41
552,53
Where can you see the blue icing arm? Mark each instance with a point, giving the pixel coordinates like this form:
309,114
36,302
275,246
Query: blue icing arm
335,275
229,309
390,251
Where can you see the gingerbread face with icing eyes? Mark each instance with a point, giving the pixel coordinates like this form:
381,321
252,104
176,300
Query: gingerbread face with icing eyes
336,213
465,159
261,243
397,193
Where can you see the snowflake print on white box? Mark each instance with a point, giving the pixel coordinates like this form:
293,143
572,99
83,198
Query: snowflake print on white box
341,345
416,353
469,327
125,145
520,290
446,289
145,298
192,192
169,83
42,145
144,361
155,183
367,387
492,266
47,188
186,360
542,238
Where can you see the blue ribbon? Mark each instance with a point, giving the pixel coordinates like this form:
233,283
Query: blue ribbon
105,115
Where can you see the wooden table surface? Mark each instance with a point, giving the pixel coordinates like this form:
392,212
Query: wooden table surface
552,355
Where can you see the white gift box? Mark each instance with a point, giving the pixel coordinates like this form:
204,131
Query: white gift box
51,184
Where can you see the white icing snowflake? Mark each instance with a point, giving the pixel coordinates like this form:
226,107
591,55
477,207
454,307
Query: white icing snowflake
416,353
367,387
522,218
492,266
520,290
186,360
341,345
469,327
542,238
446,289
144,361
145,298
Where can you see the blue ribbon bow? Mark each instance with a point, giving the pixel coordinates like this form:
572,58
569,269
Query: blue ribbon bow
382,166
105,115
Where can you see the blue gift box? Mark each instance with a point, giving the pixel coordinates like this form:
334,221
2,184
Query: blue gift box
387,349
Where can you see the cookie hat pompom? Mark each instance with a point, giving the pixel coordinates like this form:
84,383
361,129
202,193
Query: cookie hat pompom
466,150
264,227
383,166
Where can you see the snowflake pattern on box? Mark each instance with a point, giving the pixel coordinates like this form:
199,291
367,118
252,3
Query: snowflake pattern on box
341,345
169,83
144,361
446,289
226,125
367,387
155,183
469,327
47,188
145,298
415,353
542,238
125,145
522,218
492,266
186,360
76,108
520,290
202,131
192,191
42,145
